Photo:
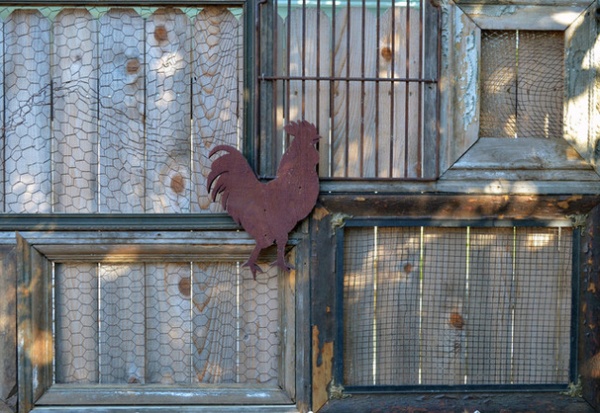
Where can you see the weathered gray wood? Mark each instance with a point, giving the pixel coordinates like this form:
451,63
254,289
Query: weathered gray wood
287,322
121,116
215,319
27,95
511,155
34,324
547,3
75,111
76,308
259,328
122,331
397,138
310,56
540,349
459,84
489,320
168,118
217,93
353,111
397,305
443,337
168,323
526,17
8,321
199,394
582,123
359,296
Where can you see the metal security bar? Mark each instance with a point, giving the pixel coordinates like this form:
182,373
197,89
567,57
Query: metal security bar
468,307
365,72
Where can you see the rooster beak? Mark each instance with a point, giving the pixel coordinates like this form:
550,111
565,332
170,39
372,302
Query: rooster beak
316,139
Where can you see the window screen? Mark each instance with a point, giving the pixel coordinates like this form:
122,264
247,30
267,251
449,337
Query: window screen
522,84
430,306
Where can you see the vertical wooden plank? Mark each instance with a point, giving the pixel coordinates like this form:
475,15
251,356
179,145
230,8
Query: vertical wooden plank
217,92
397,305
538,344
76,311
75,110
359,298
399,111
121,116
259,327
540,85
498,84
582,58
430,115
309,52
168,124
2,105
443,339
168,323
490,304
122,329
8,322
216,324
27,124
287,322
353,112
459,84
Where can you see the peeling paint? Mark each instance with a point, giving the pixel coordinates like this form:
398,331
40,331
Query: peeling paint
468,81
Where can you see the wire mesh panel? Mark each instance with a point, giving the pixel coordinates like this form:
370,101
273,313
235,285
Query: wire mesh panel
166,323
427,306
522,84
116,109
365,73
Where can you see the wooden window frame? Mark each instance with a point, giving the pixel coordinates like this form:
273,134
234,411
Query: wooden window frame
141,241
464,21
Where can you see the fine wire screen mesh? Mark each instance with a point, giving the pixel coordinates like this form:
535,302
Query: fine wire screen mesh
167,323
456,306
522,84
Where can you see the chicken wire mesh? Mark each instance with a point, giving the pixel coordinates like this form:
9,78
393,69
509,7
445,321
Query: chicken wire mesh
522,84
171,323
427,306
116,109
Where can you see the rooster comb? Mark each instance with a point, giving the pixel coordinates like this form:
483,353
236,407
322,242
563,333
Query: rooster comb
302,126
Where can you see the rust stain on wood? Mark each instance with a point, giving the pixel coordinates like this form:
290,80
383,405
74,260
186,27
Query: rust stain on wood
567,202
160,33
322,362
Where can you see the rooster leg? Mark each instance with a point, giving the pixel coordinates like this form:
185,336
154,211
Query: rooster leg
280,262
251,263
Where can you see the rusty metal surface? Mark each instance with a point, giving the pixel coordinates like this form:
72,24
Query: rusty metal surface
269,211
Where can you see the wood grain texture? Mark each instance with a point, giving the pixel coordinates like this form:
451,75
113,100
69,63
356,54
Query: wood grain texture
459,85
309,51
168,118
27,96
525,17
77,335
75,110
582,101
353,111
122,107
168,323
217,93
122,331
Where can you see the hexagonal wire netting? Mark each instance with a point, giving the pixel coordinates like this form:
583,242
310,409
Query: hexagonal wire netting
115,110
173,323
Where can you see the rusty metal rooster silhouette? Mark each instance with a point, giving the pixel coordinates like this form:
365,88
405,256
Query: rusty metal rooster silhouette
269,211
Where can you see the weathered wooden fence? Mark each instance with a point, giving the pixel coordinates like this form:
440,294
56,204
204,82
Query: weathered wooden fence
116,112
